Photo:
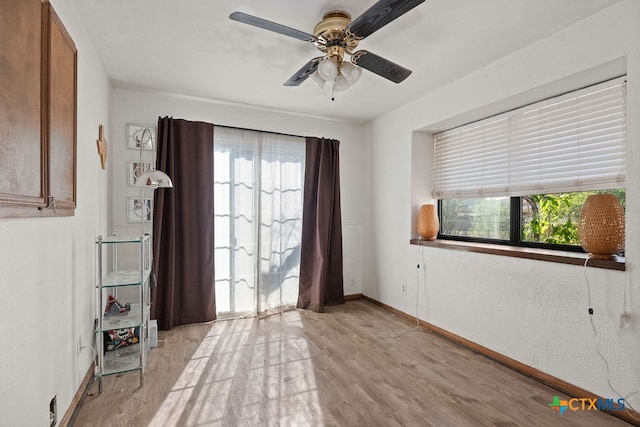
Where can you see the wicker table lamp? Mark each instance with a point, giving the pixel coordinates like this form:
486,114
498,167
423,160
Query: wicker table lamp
601,226
427,223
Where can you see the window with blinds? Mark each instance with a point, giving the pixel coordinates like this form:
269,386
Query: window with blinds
521,177
570,143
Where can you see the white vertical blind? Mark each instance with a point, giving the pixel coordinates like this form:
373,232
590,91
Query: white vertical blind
573,142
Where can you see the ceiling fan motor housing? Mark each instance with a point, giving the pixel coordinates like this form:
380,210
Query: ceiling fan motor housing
333,22
334,40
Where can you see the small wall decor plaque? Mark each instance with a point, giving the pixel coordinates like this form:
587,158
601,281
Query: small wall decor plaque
102,147
139,210
135,168
140,135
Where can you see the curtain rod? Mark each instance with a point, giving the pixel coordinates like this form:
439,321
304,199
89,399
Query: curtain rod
257,130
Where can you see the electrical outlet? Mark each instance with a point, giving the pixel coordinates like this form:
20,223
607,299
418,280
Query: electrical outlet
404,289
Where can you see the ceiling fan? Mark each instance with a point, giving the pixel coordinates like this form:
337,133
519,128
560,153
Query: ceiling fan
337,35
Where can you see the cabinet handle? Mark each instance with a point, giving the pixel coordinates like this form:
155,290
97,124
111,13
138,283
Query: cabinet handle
51,202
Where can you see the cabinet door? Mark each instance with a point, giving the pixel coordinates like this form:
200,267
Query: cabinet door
62,80
22,149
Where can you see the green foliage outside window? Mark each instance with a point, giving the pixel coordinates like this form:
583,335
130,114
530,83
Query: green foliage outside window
553,218
550,219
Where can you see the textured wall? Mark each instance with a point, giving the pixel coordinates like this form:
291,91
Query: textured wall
47,268
532,311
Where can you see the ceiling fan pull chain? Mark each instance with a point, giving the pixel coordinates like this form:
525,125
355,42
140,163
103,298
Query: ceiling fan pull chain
333,86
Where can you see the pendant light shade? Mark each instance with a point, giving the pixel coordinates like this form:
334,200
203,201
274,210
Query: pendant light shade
351,72
317,79
340,83
328,69
154,179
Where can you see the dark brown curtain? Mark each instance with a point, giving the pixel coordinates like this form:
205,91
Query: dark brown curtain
183,249
321,281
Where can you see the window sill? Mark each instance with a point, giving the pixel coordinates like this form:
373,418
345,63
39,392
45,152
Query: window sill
562,257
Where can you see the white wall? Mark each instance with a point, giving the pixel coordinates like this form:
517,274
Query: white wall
528,310
532,311
47,268
130,106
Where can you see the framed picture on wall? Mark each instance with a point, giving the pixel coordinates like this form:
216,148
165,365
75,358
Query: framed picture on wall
139,210
135,168
144,135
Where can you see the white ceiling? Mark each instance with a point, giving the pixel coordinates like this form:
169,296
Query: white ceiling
191,47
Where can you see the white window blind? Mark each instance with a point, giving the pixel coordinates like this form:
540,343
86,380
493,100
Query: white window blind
573,142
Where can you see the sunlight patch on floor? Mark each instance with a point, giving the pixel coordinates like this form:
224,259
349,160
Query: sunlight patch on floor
243,374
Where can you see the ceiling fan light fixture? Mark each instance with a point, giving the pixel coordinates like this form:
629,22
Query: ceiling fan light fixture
340,83
317,79
351,72
328,69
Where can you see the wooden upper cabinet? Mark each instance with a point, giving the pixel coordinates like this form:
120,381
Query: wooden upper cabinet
22,142
38,98
62,88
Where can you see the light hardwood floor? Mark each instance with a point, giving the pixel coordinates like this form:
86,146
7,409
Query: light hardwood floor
355,365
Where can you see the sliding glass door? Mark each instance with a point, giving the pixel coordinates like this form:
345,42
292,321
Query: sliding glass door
258,188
